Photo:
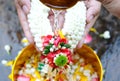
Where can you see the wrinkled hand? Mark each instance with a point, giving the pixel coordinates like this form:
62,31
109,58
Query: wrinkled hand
112,6
93,10
23,8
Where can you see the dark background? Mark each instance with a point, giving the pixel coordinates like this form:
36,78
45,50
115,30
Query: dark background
107,49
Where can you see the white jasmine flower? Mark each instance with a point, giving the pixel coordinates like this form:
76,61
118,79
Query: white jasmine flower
28,66
32,70
86,73
20,72
38,21
74,25
4,62
51,49
105,35
7,48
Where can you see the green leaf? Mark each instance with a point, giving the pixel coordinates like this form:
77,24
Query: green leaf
46,51
40,66
67,45
62,44
49,46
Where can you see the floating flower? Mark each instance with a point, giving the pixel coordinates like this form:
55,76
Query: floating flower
7,48
7,63
4,62
24,41
105,35
23,78
88,39
94,30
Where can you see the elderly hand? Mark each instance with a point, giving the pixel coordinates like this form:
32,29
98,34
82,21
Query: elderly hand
93,10
23,8
112,6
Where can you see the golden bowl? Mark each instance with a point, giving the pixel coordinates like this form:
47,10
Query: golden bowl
85,51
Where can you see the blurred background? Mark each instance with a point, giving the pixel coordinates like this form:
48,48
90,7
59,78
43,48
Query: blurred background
108,49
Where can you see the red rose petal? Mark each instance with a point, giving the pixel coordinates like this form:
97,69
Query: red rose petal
88,39
47,38
56,42
64,41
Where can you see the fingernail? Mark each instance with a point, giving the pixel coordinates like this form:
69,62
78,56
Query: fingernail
25,9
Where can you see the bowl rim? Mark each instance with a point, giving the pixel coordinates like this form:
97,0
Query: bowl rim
31,45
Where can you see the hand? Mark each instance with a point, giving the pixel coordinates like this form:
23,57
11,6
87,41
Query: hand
61,19
93,10
23,8
112,6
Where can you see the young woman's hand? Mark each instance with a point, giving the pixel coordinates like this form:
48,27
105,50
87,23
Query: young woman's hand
93,10
23,8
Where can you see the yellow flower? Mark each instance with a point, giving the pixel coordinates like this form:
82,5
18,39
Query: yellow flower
61,34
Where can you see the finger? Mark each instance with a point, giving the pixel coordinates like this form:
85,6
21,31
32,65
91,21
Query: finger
93,10
87,28
25,9
25,5
92,15
90,24
51,19
24,23
24,2
61,19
